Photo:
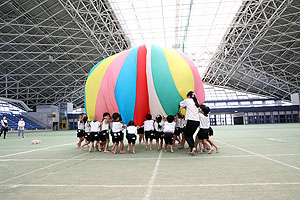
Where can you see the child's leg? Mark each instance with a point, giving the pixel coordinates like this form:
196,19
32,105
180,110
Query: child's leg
171,146
151,144
106,146
147,143
128,149
22,133
122,147
115,148
96,145
157,144
201,146
181,146
86,143
91,146
19,131
80,141
133,148
140,138
178,139
210,148
174,139
100,144
165,147
196,142
213,144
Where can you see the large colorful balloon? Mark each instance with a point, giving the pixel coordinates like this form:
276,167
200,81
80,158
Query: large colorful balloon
139,81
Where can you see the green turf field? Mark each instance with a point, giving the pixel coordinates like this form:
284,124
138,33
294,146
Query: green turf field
255,162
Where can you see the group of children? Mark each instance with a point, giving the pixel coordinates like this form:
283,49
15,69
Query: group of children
164,130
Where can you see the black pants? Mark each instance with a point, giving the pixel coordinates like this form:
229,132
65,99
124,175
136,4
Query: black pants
5,131
191,127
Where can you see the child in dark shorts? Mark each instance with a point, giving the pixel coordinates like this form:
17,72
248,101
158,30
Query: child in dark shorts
159,131
95,129
80,130
204,129
169,129
149,130
104,134
212,143
178,128
131,135
87,132
116,133
141,134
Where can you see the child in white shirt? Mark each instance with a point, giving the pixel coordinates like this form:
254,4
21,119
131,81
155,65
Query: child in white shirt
204,129
87,131
131,135
95,129
159,131
149,130
80,131
117,134
105,128
169,129
178,128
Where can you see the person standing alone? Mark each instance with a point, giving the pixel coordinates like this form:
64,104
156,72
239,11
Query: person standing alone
21,126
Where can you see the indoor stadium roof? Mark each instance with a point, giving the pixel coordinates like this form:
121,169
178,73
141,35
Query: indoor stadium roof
260,53
48,47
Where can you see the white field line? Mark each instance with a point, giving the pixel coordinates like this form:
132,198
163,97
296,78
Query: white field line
34,150
153,186
285,141
39,169
126,159
274,139
151,181
251,139
265,157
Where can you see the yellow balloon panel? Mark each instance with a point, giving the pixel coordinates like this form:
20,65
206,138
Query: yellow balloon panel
181,72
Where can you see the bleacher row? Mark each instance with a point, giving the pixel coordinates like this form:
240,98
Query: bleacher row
14,119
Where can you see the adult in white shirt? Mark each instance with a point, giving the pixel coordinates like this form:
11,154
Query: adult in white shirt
21,126
191,105
4,127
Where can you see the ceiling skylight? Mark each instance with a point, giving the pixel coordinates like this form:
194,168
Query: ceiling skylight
195,27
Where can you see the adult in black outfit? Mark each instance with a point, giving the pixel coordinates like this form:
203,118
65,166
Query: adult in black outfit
191,105
4,127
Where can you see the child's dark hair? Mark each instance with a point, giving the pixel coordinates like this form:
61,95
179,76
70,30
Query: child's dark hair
202,106
148,117
206,110
131,123
115,116
158,120
170,118
106,114
193,96
180,116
